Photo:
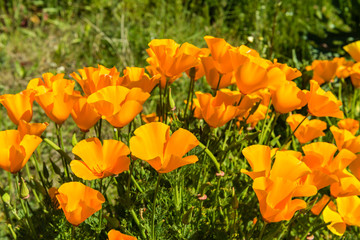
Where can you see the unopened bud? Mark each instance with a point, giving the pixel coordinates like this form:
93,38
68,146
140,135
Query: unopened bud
6,198
24,191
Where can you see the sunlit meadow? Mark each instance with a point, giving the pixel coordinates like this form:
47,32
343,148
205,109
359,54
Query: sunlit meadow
208,141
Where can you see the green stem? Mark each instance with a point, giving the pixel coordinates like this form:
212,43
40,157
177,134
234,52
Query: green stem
153,209
353,103
61,144
190,92
212,157
99,129
272,128
100,211
264,124
24,207
312,225
29,177
262,231
136,219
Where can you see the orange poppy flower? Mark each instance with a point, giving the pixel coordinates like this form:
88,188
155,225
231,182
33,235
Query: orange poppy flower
319,206
198,53
152,143
57,101
84,115
16,149
31,128
215,79
116,235
308,130
354,50
93,79
321,103
344,67
118,105
349,124
329,170
218,110
256,74
276,186
135,77
323,70
100,161
169,59
152,117
355,75
47,81
291,73
258,115
288,97
345,139
240,55
78,201
347,213
19,106
220,54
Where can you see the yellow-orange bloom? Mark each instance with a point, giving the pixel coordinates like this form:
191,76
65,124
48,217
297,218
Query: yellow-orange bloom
58,100
78,201
99,161
118,105
16,149
169,59
308,130
256,74
135,77
47,81
347,213
213,77
329,170
19,106
84,115
152,143
345,139
349,124
354,50
276,186
288,97
218,110
291,73
321,103
31,128
93,79
344,67
220,54
198,53
152,117
324,70
355,75
116,235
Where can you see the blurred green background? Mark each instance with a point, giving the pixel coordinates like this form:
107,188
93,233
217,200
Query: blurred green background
38,36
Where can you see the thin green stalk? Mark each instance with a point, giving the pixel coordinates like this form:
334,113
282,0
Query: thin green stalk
100,211
24,207
212,157
272,128
161,102
34,192
317,217
353,103
13,234
61,144
262,231
190,91
218,84
129,179
99,129
264,124
153,209
136,219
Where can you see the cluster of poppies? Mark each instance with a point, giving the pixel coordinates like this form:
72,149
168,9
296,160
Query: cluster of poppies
246,88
